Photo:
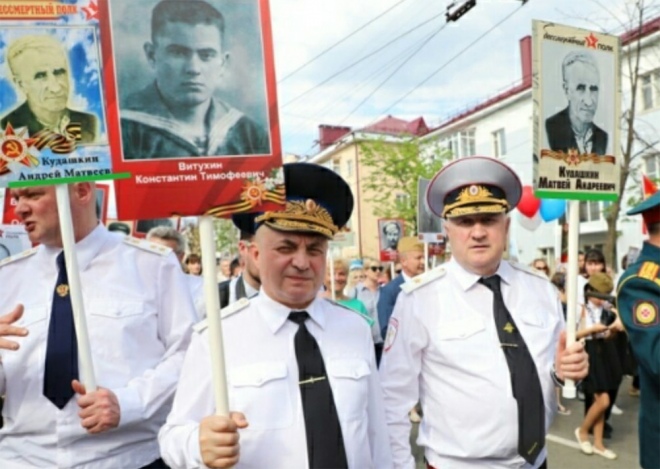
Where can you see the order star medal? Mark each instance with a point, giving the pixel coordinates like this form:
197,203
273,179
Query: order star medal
62,290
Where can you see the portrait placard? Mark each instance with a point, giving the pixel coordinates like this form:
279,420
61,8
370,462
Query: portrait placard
576,96
52,117
192,107
429,225
390,230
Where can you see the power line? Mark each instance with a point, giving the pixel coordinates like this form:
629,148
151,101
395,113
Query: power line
380,85
348,67
354,90
437,70
341,40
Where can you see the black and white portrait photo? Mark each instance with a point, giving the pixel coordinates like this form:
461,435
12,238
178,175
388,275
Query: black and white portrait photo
191,78
391,230
427,222
578,95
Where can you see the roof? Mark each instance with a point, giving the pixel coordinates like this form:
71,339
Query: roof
395,126
627,37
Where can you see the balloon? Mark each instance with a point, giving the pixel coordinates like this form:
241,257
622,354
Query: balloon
530,223
528,204
551,209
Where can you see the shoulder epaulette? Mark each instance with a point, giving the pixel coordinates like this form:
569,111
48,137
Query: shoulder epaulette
224,314
366,317
18,257
147,245
422,279
529,270
649,270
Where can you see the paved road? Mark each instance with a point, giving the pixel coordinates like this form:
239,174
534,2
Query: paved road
563,452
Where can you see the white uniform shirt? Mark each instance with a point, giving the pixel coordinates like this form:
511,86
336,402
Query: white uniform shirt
196,285
249,291
139,315
442,347
263,384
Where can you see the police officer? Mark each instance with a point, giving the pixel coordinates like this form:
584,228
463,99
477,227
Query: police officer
301,369
139,316
638,306
478,341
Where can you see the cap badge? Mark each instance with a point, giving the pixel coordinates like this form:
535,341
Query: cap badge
62,290
474,193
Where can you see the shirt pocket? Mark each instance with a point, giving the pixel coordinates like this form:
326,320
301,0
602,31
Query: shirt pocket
32,315
349,378
31,352
461,343
118,326
262,392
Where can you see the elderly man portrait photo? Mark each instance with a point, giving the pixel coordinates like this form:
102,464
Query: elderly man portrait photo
179,112
573,128
40,69
391,233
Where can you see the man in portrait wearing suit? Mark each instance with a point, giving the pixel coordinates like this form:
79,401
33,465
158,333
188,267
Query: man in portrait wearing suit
573,128
40,69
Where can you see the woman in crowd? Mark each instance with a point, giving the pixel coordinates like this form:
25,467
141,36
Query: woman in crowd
542,266
594,262
194,264
595,320
340,267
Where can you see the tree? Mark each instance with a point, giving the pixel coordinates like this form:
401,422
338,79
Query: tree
226,238
395,169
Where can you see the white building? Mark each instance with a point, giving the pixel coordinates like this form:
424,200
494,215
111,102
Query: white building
501,127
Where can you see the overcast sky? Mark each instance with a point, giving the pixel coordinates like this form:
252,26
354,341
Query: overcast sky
361,92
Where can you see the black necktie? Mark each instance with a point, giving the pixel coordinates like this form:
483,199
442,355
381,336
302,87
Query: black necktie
62,346
325,445
240,288
524,377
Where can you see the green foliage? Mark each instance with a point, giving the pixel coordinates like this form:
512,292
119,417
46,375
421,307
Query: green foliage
226,238
395,170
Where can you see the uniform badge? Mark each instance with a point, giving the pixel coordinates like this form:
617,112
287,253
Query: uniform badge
62,289
392,329
509,328
646,314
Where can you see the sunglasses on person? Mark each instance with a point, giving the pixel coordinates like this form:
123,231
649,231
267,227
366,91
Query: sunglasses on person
376,268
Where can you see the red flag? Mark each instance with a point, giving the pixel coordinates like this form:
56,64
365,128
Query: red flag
648,189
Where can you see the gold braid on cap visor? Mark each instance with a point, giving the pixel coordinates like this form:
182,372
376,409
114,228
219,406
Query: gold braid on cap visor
475,199
301,215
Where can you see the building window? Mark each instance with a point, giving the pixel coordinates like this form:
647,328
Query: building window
592,211
652,166
349,168
650,89
336,166
402,200
460,144
499,143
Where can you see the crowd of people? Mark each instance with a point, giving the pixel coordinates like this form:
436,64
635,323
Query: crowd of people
328,362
